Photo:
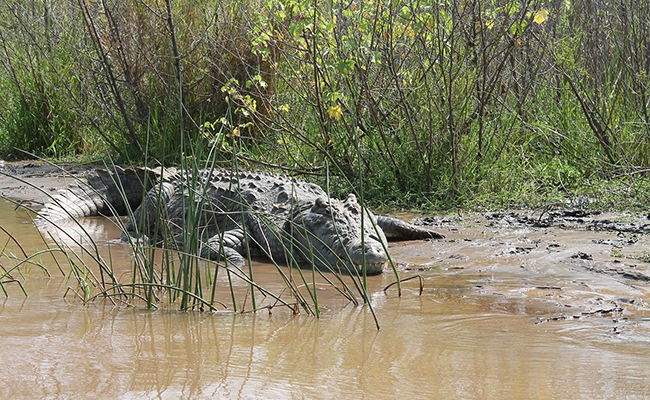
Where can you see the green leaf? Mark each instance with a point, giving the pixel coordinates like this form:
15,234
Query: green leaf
345,66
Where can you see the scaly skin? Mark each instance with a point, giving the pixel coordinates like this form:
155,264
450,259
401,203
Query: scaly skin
261,214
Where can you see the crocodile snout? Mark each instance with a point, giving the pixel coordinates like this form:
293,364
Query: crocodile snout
371,254
375,253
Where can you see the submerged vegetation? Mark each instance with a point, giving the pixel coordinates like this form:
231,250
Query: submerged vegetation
423,104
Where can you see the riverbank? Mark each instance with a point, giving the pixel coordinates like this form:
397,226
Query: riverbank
563,255
36,179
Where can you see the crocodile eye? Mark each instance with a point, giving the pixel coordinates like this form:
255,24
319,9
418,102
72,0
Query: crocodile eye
320,206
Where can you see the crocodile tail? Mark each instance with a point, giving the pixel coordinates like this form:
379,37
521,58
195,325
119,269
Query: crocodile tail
101,192
396,229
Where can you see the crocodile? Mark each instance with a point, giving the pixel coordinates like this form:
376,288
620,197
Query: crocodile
239,215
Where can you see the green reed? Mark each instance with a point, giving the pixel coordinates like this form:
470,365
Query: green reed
184,278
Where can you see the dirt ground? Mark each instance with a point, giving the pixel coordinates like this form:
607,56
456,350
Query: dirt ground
568,266
36,179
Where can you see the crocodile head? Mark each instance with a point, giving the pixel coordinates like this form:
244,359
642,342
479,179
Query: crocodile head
340,235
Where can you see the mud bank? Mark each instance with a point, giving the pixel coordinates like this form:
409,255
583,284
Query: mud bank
567,264
36,179
525,304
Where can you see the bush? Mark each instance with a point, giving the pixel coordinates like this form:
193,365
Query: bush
403,101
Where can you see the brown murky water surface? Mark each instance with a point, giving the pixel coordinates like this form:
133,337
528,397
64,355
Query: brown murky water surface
505,313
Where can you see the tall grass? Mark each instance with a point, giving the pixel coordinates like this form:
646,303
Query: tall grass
440,103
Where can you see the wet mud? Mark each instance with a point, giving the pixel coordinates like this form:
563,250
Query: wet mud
36,180
571,263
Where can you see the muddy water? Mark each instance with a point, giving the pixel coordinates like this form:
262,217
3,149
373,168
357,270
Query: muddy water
505,313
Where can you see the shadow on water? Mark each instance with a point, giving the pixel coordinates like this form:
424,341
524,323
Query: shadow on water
493,321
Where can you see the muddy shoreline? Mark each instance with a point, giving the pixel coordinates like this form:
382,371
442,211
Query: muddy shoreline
564,264
42,178
555,264
523,304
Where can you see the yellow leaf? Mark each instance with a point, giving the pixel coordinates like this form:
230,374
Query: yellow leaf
490,24
235,131
335,112
541,16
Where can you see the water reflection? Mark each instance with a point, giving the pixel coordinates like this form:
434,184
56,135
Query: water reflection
426,348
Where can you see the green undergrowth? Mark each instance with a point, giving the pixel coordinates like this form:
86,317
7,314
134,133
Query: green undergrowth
568,188
616,195
419,105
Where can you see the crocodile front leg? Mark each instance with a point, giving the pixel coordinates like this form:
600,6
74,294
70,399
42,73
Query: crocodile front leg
399,230
230,244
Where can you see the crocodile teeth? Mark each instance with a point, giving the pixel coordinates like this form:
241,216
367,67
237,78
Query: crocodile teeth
369,266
